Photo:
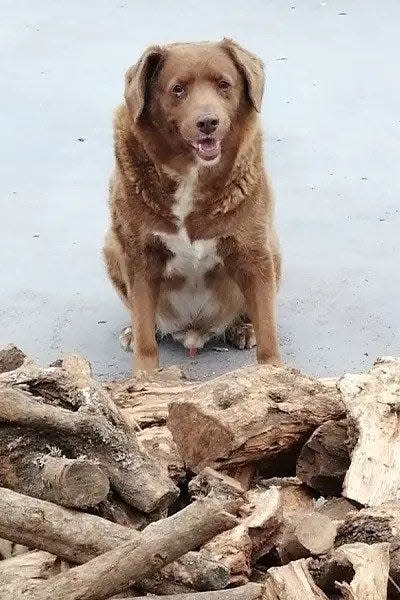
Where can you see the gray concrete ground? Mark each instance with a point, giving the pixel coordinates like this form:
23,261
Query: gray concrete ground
332,125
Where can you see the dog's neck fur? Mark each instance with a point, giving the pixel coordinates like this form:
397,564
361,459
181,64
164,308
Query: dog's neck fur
155,176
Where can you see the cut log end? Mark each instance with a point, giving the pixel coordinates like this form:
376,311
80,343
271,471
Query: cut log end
324,459
76,483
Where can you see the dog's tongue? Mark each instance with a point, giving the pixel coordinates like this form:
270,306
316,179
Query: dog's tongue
208,149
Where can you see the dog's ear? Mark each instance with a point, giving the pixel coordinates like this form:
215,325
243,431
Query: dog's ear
138,79
252,69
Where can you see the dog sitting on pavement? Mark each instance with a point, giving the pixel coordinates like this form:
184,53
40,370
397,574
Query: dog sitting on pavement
192,248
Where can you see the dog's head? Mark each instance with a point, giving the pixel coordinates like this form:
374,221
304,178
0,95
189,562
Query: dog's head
195,94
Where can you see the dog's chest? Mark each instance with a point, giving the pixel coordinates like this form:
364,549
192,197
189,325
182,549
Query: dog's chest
191,259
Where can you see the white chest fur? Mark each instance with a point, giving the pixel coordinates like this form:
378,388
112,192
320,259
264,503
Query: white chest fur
191,260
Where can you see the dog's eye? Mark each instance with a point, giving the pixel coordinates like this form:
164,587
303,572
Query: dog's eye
178,90
224,85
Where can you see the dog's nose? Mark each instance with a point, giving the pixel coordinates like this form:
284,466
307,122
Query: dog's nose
207,124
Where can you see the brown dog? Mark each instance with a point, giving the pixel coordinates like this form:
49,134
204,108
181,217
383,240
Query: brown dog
192,247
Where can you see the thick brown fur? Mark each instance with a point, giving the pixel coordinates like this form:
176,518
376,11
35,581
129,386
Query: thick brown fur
154,135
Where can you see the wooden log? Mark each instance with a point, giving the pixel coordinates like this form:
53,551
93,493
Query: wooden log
74,536
313,534
244,474
93,425
159,444
79,537
116,510
15,587
372,402
32,565
254,412
196,571
371,566
324,458
362,570
214,483
292,582
11,358
155,587
144,400
19,549
8,549
251,591
33,465
116,570
373,526
336,509
296,502
75,483
327,570
255,536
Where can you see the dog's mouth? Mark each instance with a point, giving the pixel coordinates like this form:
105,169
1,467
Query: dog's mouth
207,149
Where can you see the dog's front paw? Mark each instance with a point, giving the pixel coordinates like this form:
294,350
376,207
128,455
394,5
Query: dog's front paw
241,335
126,339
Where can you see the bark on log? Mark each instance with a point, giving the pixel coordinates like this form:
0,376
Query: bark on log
91,424
116,570
324,458
254,412
11,358
33,465
371,566
372,401
79,537
292,582
374,526
251,591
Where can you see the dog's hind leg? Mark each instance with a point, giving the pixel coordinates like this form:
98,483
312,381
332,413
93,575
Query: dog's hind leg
116,269
115,264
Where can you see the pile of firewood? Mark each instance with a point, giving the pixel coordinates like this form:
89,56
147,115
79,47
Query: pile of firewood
262,484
